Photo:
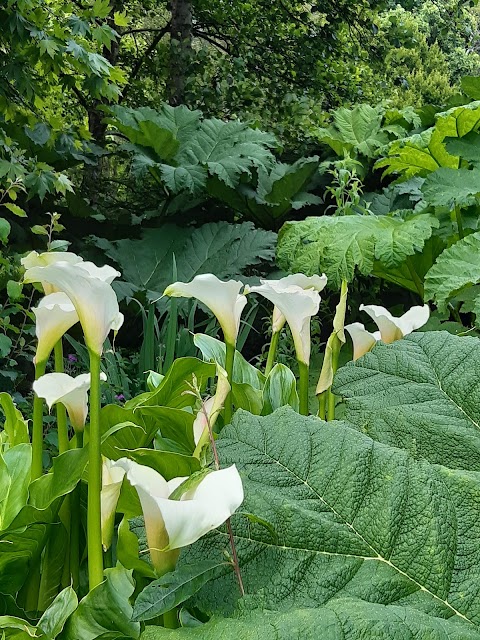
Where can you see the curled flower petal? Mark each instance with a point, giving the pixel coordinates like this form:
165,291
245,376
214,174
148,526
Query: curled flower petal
211,407
392,328
112,479
35,259
298,306
222,298
70,391
363,340
54,316
94,300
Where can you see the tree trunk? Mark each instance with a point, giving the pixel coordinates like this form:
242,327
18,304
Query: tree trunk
180,49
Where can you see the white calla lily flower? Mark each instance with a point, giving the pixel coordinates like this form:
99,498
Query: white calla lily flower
35,259
54,316
315,282
211,408
70,391
222,298
171,524
112,479
106,273
298,306
392,328
94,300
363,340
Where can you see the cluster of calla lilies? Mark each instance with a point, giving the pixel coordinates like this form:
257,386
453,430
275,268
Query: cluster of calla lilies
179,511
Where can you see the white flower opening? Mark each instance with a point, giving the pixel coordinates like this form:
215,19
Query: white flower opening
35,259
172,524
112,479
363,341
315,282
71,392
94,300
54,316
393,328
222,298
298,306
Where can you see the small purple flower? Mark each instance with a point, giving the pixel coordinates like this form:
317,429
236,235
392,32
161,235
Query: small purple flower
72,357
120,397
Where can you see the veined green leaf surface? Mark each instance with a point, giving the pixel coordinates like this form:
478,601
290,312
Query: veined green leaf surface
348,517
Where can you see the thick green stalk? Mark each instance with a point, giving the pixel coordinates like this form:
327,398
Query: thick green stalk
272,352
336,346
229,359
170,619
62,428
75,526
322,405
37,429
94,527
303,388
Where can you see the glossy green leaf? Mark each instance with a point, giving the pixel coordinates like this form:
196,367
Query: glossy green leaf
280,390
53,620
168,464
15,426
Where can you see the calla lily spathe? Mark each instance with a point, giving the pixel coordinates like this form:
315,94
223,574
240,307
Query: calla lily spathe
172,524
363,341
35,259
298,306
94,300
222,298
392,328
70,391
112,479
315,282
54,316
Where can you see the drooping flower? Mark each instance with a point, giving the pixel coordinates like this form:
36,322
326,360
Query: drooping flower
54,316
94,300
175,521
222,298
112,479
392,328
71,392
298,306
315,282
363,340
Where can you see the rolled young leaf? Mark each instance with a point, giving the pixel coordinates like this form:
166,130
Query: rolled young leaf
54,316
208,414
222,298
94,300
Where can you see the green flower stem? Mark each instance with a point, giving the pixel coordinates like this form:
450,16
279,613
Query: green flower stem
229,358
94,527
303,388
336,346
37,429
62,428
170,619
322,405
458,216
75,526
272,352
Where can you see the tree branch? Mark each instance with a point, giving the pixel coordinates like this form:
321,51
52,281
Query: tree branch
144,30
211,40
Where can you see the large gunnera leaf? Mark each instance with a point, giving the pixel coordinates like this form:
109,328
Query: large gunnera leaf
340,245
379,543
421,394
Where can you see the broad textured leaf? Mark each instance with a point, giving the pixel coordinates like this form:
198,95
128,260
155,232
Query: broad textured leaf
455,269
105,609
339,515
174,588
423,153
340,245
467,148
358,129
218,247
343,619
420,394
451,188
